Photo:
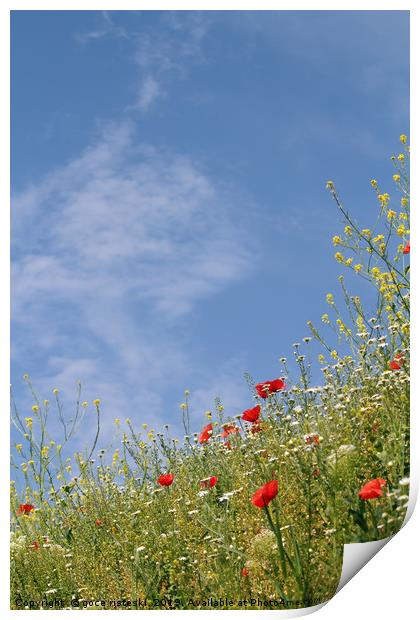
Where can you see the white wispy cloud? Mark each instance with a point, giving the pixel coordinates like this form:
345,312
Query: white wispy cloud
149,91
106,28
110,252
161,55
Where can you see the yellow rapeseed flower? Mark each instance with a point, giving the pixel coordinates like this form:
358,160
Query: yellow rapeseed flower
396,177
330,298
97,402
348,230
336,240
35,408
404,202
401,157
55,391
366,232
384,198
29,422
403,138
391,214
374,183
339,257
358,267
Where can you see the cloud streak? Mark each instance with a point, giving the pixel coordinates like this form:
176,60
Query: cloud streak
111,252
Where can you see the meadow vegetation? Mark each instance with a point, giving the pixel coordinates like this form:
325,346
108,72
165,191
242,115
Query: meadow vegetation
252,505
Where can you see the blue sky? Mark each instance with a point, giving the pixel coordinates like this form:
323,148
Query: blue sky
170,223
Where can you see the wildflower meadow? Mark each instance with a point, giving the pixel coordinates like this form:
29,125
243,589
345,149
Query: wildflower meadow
251,509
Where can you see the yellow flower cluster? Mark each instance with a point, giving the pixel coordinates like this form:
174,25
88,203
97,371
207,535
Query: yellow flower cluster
384,199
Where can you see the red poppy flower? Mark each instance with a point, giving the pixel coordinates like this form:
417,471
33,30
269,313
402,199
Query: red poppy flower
244,572
206,433
25,509
269,387
372,489
35,545
313,439
316,473
263,496
406,250
229,429
98,522
165,480
397,362
252,415
256,427
209,482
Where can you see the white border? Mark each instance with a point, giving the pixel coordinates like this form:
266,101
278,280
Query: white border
386,586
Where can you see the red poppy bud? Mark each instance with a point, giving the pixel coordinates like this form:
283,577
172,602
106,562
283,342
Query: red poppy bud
25,509
165,480
209,482
397,362
406,250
